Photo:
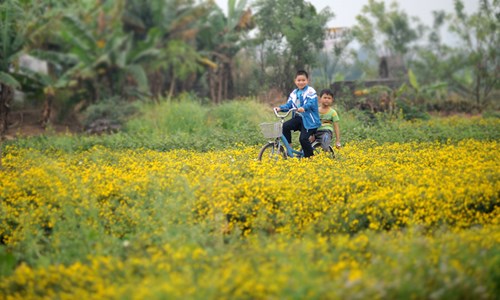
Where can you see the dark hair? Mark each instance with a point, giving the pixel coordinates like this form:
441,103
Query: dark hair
327,92
301,72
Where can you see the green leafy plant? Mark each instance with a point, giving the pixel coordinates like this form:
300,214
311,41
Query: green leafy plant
13,32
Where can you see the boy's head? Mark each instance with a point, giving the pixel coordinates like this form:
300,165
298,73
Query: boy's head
301,79
326,97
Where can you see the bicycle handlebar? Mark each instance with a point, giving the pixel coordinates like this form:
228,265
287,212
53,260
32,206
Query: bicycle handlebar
283,115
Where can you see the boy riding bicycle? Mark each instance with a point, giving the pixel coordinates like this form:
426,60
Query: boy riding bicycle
306,118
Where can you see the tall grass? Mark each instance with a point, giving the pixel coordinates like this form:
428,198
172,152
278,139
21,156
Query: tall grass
169,118
186,124
356,125
189,124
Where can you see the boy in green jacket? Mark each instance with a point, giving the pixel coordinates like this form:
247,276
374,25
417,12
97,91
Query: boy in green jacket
329,120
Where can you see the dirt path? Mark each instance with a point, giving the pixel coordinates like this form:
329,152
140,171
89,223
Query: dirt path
27,123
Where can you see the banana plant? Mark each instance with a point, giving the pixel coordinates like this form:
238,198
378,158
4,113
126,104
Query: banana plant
12,39
223,37
24,25
106,62
176,23
424,93
50,83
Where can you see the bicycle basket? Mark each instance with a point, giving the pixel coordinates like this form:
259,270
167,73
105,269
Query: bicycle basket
271,130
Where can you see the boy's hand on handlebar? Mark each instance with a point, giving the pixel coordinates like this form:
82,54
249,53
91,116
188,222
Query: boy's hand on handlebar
277,109
300,109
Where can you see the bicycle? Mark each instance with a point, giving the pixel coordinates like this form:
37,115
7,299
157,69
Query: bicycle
278,147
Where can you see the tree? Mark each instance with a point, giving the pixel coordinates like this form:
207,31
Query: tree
48,84
222,38
19,23
290,34
471,63
12,38
333,64
90,55
176,23
38,19
478,54
182,61
386,32
431,61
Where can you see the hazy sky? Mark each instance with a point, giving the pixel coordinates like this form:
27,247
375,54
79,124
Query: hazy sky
346,10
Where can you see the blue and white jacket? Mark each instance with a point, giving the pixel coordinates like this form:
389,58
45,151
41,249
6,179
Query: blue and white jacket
308,99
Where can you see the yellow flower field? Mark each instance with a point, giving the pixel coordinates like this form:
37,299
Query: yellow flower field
412,220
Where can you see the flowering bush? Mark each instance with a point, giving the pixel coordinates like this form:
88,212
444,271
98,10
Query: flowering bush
386,220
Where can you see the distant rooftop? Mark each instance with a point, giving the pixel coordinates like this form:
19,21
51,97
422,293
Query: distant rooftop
334,35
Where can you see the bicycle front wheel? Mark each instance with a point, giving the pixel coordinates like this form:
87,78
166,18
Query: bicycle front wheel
318,150
272,152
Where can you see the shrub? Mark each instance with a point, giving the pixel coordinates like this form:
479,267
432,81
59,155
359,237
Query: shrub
107,115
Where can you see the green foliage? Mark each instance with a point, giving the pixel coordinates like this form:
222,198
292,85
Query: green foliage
412,111
413,99
431,128
417,99
99,49
168,28
12,36
8,80
105,60
7,262
491,114
14,31
413,80
470,65
188,124
221,38
479,53
236,115
335,65
114,110
381,29
290,39
166,118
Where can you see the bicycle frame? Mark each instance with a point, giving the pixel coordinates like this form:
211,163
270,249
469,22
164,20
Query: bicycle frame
289,150
282,140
